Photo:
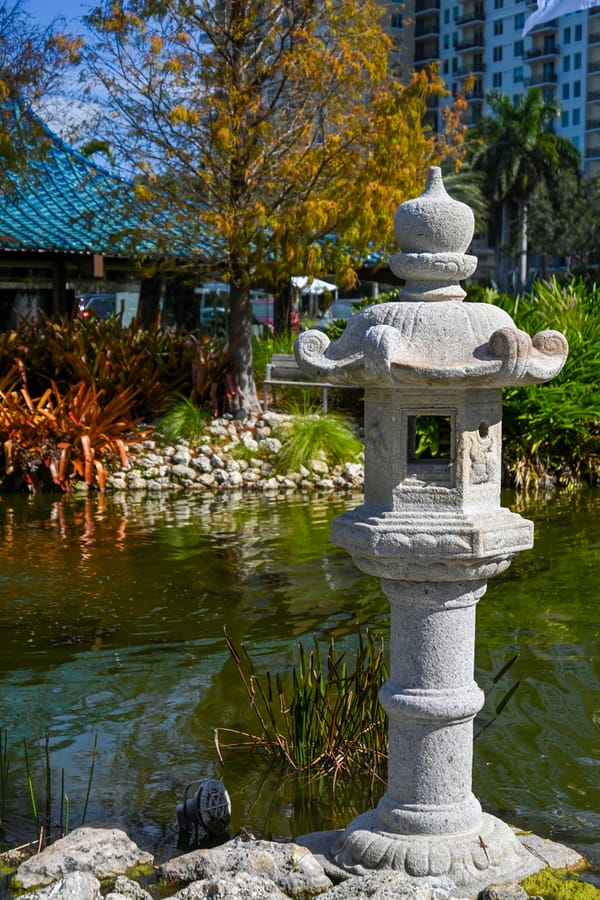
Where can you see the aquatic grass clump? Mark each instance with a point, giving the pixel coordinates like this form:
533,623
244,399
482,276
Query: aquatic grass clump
183,421
308,437
332,725
40,783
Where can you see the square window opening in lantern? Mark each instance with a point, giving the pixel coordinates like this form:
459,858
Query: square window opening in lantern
430,447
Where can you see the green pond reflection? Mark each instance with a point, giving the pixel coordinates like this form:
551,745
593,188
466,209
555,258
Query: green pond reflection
111,625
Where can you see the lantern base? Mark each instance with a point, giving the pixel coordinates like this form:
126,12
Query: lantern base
469,860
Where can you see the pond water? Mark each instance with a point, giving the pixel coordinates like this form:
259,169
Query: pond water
111,629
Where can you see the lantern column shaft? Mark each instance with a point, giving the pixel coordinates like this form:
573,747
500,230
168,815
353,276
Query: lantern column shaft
431,700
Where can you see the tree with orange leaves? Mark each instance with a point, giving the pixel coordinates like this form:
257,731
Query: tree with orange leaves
268,135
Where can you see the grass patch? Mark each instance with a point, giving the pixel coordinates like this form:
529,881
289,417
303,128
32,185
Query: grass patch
183,421
308,436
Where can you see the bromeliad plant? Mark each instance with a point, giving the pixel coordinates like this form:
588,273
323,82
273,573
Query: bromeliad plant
62,434
330,722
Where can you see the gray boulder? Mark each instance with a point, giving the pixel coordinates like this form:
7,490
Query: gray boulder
240,887
380,885
104,852
292,868
74,886
126,889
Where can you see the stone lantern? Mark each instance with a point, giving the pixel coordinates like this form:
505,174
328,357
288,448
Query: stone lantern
434,531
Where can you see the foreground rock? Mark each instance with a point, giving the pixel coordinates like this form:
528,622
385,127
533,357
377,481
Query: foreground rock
293,869
102,852
73,867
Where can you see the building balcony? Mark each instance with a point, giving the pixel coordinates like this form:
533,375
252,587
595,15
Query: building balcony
593,37
425,6
541,52
592,125
547,78
592,96
426,59
473,44
474,18
474,69
432,31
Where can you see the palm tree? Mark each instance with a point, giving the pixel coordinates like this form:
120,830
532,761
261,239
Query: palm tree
518,154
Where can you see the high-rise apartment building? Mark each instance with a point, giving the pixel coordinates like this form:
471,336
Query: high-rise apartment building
484,38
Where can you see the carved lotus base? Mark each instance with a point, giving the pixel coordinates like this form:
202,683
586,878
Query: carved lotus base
470,860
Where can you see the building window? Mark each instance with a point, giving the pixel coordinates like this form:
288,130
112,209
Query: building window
577,60
497,54
519,21
455,13
577,89
566,91
578,32
564,119
576,117
567,64
446,67
497,79
518,48
446,42
576,142
397,21
567,36
498,26
446,17
498,4
518,74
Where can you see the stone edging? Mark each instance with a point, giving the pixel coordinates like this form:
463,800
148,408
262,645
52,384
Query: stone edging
232,455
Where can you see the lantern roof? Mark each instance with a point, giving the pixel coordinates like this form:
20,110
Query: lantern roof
429,336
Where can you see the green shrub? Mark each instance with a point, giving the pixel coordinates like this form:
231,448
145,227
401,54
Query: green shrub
552,431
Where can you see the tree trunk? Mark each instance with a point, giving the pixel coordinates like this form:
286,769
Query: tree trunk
149,302
505,248
523,246
245,399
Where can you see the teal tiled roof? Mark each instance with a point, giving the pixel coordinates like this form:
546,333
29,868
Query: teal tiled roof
65,203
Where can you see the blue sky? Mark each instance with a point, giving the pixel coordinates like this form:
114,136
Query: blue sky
72,10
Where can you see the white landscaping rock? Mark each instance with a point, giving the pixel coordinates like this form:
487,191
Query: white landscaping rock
74,886
126,889
293,868
104,852
385,885
240,887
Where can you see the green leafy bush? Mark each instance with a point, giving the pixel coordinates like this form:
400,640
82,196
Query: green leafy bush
552,431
